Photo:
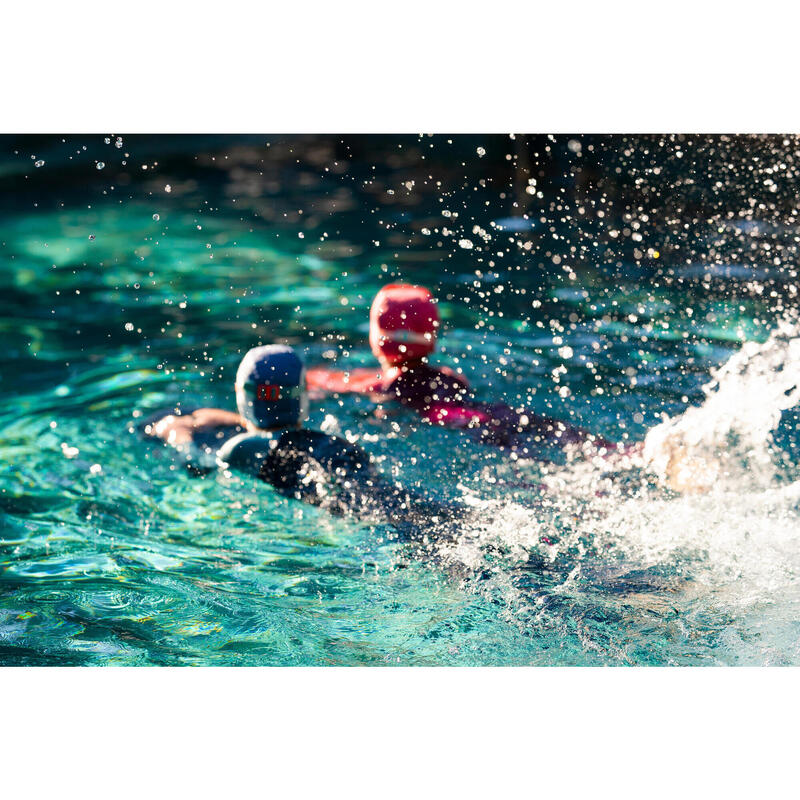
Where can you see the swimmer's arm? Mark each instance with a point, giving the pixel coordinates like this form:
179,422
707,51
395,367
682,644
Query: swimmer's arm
181,429
361,381
676,463
499,421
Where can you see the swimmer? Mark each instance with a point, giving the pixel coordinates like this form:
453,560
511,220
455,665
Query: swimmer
403,325
266,439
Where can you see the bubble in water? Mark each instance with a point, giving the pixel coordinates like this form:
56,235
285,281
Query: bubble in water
91,237
481,151
156,217
68,450
107,140
167,188
39,163
100,164
118,143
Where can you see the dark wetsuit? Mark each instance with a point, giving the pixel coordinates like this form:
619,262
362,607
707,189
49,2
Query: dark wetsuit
319,469
331,472
422,386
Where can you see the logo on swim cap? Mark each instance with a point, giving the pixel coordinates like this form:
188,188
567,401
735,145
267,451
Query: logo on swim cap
268,391
403,323
270,387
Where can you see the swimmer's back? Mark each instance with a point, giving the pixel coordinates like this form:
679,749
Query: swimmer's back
421,386
329,471
294,448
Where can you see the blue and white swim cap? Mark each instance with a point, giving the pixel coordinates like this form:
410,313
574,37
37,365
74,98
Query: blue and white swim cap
271,387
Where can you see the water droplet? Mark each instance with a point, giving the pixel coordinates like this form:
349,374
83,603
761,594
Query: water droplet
156,217
39,163
100,164
68,451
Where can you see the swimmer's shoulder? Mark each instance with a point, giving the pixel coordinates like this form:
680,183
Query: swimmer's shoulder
247,452
196,436
421,385
424,371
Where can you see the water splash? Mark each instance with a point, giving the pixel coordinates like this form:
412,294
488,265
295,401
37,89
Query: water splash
731,432
604,553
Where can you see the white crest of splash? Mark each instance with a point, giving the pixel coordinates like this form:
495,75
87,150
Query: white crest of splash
744,401
722,564
725,564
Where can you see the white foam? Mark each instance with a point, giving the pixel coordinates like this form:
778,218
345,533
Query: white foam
732,429
718,569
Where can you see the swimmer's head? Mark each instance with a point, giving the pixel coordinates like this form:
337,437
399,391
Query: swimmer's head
403,323
270,387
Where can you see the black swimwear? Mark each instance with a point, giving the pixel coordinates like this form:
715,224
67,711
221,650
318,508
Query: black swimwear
319,469
331,472
423,386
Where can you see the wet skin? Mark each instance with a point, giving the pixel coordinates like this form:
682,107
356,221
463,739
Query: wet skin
212,424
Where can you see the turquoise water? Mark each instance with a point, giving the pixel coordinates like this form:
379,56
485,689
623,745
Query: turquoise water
119,297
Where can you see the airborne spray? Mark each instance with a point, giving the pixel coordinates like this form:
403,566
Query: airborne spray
730,434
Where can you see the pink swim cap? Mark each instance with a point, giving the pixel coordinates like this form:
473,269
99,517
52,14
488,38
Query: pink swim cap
403,323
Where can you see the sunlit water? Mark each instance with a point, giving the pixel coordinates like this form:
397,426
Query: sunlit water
115,302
